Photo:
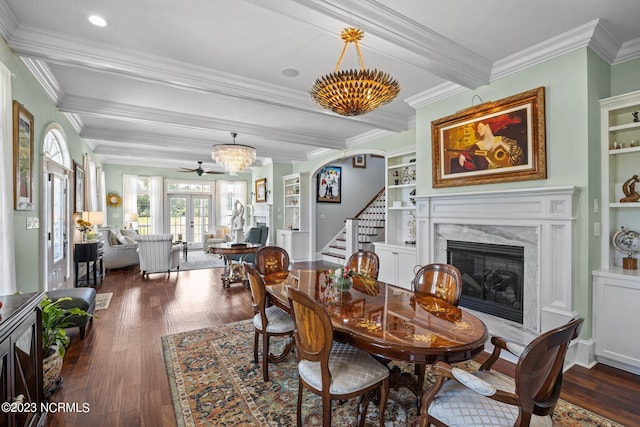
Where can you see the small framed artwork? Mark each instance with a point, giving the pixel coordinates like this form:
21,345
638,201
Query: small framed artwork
359,161
78,206
22,158
330,185
499,141
261,190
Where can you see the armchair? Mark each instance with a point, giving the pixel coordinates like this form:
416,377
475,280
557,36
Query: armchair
158,254
220,234
254,235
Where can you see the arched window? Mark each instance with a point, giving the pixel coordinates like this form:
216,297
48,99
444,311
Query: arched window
55,146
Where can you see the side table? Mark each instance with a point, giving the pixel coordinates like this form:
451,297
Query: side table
91,254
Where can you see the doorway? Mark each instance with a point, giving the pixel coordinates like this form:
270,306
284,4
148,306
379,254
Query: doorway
56,213
189,217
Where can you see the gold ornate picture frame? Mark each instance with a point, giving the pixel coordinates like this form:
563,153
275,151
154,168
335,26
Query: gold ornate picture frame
261,190
499,141
22,158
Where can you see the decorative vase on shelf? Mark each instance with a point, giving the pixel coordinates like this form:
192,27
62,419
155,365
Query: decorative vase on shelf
343,283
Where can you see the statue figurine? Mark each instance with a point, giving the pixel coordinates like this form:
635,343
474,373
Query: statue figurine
237,222
635,116
629,189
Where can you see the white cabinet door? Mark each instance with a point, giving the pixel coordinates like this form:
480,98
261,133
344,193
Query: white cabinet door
615,320
396,264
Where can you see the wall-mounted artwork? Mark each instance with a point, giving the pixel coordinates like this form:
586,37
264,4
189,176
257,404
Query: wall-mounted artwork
359,161
22,158
79,187
493,142
261,190
330,185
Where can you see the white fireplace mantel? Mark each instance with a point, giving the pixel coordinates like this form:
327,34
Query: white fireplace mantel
540,219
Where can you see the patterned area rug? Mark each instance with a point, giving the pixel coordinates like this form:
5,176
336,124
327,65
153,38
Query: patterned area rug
198,260
214,382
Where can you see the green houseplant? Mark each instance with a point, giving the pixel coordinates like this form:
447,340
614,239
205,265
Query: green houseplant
55,340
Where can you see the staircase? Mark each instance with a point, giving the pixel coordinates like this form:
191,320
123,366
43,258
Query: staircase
370,228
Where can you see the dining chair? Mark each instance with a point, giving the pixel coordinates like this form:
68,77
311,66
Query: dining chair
269,321
490,398
365,262
443,281
271,259
331,369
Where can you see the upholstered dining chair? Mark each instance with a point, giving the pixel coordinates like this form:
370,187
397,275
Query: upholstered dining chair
271,259
443,281
158,254
330,369
365,262
269,321
489,398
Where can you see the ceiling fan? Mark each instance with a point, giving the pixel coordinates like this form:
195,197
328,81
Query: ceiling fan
199,170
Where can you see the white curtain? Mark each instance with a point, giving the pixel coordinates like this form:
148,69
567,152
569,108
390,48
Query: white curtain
102,193
156,201
129,194
227,192
7,235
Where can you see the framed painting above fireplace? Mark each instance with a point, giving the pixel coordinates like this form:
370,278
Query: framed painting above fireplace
493,142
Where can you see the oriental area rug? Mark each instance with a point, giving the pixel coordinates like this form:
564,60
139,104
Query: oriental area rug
214,382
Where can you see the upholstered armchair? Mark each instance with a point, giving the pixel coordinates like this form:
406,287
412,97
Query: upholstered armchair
254,235
158,254
219,234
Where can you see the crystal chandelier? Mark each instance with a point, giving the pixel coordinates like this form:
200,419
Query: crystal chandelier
235,158
354,92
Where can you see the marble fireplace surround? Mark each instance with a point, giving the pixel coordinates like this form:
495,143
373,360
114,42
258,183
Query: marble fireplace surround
539,219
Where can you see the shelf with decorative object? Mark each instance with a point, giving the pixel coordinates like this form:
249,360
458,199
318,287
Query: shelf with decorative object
401,186
294,234
616,284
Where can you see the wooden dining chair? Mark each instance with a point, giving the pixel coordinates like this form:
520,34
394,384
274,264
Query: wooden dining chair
330,369
489,398
365,262
269,321
271,259
443,281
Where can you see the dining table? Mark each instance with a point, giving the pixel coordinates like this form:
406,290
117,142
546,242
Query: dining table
389,322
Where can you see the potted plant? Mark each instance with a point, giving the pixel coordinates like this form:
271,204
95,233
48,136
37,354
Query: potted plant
55,340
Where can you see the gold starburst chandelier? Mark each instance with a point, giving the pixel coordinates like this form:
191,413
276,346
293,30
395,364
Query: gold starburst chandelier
234,158
354,92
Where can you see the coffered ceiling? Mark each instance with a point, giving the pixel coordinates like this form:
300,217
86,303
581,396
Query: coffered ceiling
166,80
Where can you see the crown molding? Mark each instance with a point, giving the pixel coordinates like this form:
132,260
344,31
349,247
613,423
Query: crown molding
8,20
45,77
434,94
629,51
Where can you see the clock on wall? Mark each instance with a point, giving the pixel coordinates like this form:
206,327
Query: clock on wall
113,199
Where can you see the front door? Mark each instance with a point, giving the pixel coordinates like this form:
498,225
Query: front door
189,217
57,226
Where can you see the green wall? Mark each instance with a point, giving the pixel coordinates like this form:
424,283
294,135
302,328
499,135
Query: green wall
27,91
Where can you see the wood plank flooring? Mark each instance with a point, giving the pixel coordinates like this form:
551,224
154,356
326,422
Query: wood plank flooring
119,369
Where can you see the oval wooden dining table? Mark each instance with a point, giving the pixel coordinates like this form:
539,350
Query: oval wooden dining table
389,322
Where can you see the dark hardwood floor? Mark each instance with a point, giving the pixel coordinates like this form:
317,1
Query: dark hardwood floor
119,369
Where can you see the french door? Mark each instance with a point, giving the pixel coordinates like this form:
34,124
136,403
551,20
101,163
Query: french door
57,226
189,216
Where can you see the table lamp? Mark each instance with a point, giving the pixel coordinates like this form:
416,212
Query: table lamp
93,217
131,218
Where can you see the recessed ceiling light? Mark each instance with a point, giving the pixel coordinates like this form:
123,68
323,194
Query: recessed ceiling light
98,21
290,72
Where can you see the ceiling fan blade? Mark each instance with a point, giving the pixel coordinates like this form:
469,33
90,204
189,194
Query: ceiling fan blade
187,170
213,172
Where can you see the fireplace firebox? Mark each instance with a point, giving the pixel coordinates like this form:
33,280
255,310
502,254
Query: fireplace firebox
492,277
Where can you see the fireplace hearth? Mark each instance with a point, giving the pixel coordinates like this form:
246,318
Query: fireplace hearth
493,277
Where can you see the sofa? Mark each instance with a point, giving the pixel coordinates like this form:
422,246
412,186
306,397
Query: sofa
118,251
220,234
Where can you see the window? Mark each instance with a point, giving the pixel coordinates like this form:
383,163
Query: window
144,205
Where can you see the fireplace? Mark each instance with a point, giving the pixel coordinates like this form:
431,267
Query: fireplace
493,277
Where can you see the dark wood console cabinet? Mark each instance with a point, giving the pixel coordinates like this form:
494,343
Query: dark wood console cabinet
21,360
